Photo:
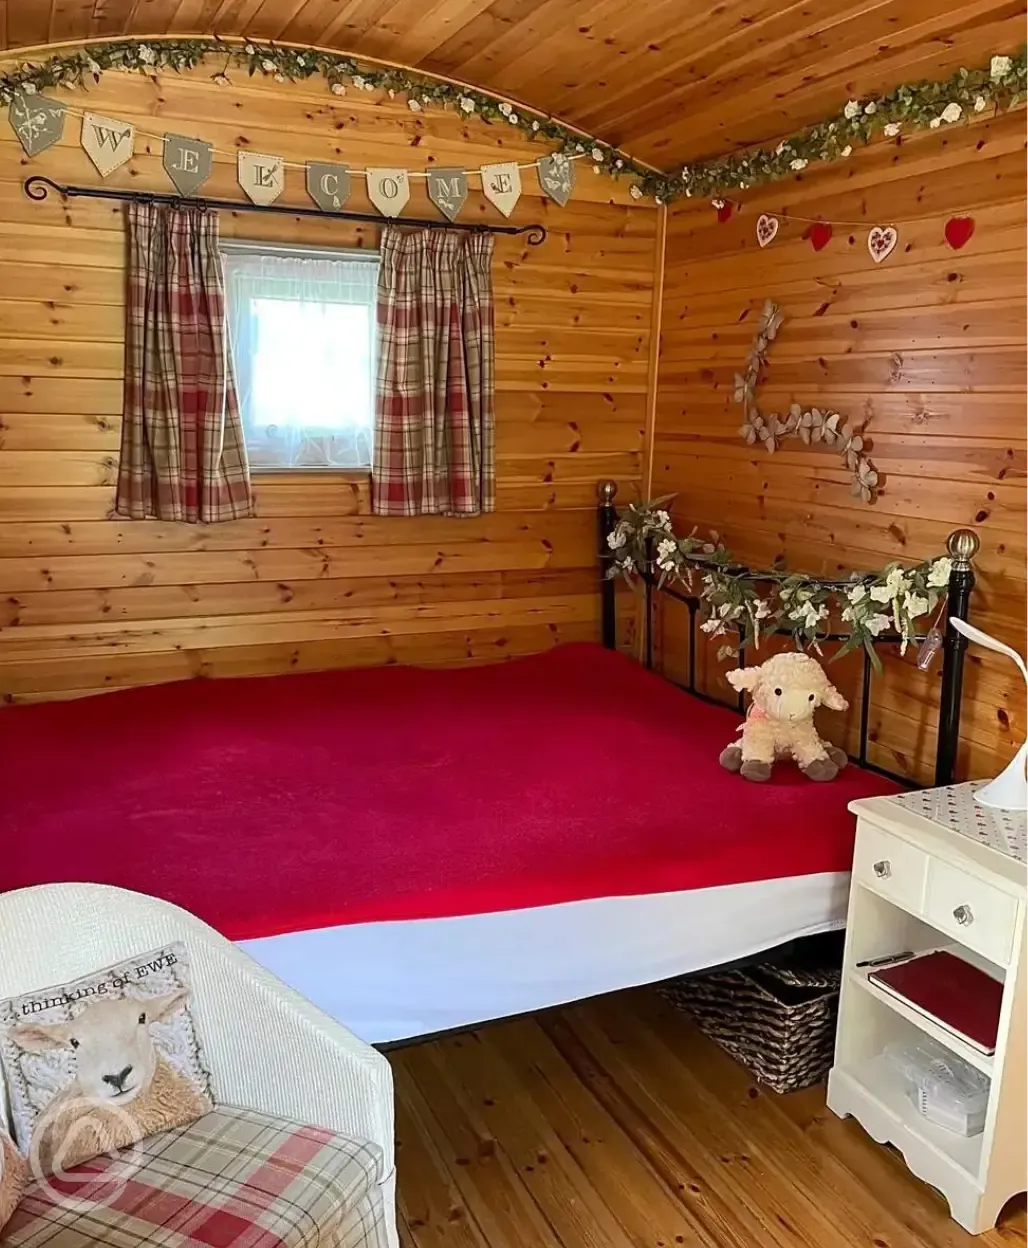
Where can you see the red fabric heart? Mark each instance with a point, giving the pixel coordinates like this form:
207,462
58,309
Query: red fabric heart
724,211
819,234
958,231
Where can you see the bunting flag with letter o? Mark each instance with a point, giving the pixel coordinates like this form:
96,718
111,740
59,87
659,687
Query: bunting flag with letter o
389,190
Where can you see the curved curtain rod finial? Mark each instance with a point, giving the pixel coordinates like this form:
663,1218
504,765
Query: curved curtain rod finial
963,545
37,187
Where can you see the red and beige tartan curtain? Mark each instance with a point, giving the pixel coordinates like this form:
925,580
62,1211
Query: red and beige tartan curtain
182,450
434,414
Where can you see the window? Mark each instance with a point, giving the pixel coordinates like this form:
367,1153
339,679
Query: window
301,325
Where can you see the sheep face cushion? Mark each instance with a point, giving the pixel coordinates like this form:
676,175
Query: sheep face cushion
14,1175
103,1062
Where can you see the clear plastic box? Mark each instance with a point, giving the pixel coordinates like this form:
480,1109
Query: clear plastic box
943,1087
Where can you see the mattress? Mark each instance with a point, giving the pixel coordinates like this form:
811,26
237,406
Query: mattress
394,981
299,802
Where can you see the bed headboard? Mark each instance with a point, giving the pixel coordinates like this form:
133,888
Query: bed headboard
962,546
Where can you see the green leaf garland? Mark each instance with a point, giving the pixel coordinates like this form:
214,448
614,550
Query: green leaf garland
1003,84
753,603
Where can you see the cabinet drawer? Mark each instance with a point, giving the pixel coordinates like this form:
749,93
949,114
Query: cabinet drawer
977,914
890,866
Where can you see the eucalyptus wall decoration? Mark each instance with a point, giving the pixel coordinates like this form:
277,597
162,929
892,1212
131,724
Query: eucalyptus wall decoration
810,425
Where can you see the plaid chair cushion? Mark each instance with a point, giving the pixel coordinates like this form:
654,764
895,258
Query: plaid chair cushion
231,1179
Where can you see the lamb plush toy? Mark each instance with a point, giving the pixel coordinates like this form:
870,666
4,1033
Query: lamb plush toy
786,691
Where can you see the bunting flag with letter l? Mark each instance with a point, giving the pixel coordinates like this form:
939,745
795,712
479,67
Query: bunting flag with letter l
108,143
261,177
502,185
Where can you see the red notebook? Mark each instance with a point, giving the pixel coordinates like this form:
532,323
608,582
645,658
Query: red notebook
949,991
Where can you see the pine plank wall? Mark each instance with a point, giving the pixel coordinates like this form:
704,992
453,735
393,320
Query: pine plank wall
88,602
928,348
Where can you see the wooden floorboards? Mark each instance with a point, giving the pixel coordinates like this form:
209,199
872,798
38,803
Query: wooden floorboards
615,1124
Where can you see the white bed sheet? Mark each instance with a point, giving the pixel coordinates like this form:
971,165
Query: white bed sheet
393,981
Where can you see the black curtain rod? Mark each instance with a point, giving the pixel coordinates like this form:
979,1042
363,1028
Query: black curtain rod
38,187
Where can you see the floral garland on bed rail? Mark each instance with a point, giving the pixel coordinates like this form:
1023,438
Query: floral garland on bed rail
912,106
757,602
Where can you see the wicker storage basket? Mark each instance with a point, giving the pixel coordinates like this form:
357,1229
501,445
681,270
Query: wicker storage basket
778,1022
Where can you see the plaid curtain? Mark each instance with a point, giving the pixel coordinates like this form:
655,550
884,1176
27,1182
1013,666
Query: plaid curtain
434,415
182,450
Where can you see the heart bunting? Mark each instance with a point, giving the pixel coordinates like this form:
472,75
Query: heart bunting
820,234
767,228
881,242
958,231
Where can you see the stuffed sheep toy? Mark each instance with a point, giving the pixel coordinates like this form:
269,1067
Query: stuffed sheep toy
786,690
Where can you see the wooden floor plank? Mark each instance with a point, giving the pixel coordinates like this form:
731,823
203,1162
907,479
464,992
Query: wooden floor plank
614,1123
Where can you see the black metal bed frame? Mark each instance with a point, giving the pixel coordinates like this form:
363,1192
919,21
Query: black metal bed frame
962,546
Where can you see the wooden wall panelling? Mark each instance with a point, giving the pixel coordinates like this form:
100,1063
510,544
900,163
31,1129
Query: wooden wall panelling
90,602
669,81
928,348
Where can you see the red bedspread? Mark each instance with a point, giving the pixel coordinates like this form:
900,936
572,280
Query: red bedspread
276,804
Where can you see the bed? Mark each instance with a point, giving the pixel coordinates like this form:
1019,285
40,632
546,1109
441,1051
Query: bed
415,849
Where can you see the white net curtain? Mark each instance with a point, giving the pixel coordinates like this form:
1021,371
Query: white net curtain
302,329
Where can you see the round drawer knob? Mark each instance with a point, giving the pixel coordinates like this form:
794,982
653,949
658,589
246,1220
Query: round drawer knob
963,915
883,869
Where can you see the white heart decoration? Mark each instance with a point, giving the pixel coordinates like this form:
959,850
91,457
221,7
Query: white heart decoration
881,242
767,228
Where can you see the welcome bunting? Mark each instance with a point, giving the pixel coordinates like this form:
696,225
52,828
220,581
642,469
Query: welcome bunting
189,162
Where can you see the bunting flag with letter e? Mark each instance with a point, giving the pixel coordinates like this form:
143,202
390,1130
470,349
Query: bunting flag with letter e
187,162
502,185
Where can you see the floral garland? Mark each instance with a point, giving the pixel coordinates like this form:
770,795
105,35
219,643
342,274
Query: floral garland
911,107
812,425
872,604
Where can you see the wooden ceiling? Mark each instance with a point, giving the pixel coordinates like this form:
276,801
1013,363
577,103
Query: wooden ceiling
668,80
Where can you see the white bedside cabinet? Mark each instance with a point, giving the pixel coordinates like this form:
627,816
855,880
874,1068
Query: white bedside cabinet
932,870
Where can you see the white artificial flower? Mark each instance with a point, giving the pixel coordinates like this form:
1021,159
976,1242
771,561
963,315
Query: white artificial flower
712,627
895,584
368,85
338,88
467,104
857,594
359,82
29,88
952,112
280,77
619,164
146,54
915,605
877,624
799,163
1000,67
661,519
222,80
851,110
617,539
980,103
268,66
414,106
627,564
761,608
426,99
939,573
658,200
935,123
847,150
94,66
781,147
848,616
871,108
891,129
535,125
250,49
512,118
505,109
301,60
666,548
597,154
634,191
579,148
391,93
